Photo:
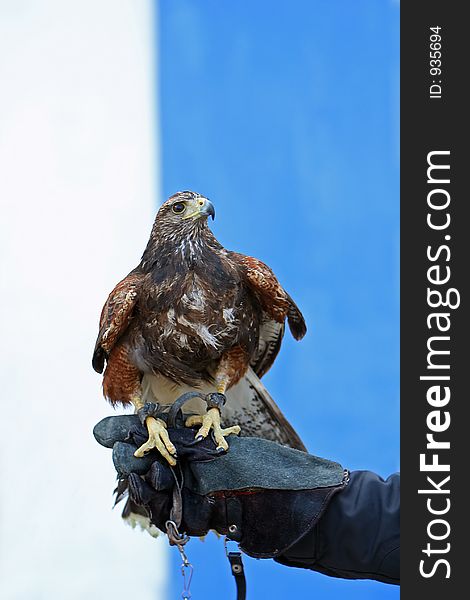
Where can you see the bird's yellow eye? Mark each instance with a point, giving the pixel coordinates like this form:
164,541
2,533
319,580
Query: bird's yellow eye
178,207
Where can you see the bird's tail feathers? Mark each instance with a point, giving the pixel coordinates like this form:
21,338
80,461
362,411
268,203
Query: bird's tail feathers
250,405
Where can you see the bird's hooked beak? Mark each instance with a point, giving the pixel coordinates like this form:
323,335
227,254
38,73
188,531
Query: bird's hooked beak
202,208
208,210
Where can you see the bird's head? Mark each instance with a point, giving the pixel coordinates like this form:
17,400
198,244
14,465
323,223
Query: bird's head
185,210
182,217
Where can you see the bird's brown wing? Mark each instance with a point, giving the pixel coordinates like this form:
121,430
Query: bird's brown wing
277,305
249,402
115,317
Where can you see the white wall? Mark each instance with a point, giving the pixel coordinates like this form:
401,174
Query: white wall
78,187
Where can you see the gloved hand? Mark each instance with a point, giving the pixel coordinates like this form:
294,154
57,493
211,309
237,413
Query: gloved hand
260,494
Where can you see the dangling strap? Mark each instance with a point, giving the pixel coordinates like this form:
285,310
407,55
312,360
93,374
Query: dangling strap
174,536
178,404
236,564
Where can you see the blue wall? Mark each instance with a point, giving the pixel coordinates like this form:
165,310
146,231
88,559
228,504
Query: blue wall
285,114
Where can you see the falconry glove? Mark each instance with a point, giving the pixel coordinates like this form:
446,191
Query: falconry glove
276,502
260,494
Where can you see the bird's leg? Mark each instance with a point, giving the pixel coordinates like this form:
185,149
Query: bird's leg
158,435
211,420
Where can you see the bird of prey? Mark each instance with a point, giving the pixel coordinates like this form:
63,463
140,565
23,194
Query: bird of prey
195,316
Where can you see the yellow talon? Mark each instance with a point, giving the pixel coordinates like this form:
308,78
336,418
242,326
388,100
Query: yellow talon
159,439
211,420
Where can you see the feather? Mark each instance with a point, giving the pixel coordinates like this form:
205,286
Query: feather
134,515
115,317
296,321
251,406
270,339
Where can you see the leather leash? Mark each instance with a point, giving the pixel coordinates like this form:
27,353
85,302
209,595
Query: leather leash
179,540
238,572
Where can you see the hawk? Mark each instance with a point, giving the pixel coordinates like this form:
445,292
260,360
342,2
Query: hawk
195,316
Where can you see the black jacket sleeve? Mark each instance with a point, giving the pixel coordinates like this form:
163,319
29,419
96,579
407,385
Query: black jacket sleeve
358,536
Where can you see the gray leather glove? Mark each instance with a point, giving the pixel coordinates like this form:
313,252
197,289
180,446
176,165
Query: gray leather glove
260,494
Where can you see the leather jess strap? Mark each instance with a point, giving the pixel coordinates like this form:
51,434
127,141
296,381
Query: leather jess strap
236,564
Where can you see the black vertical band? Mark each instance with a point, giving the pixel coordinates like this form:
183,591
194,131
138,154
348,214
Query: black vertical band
236,564
435,252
